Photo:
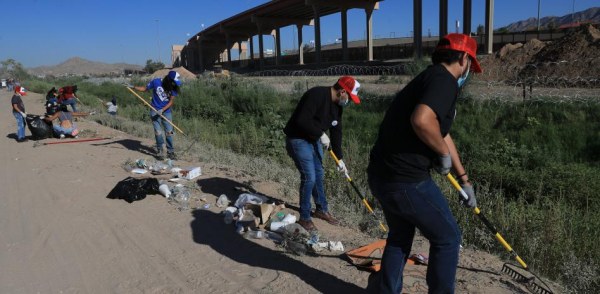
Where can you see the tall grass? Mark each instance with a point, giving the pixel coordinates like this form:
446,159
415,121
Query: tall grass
535,165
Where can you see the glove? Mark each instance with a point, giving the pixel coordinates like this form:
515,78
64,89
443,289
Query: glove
159,112
443,164
471,202
341,167
325,140
24,114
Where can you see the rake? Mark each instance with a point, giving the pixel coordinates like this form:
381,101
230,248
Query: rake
38,143
510,269
362,197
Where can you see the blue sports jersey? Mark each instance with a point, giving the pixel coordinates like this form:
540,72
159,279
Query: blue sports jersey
159,97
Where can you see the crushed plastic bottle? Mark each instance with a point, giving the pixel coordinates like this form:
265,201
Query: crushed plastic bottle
182,197
256,234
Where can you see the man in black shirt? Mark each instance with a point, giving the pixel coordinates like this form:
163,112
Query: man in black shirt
413,138
320,109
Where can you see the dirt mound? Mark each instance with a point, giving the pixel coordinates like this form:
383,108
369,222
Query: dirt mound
573,60
185,74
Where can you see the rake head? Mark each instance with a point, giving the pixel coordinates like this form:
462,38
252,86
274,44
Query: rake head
529,280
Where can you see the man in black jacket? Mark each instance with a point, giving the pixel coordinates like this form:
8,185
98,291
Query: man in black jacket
320,109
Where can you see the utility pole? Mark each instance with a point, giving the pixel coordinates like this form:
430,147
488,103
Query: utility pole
538,26
158,38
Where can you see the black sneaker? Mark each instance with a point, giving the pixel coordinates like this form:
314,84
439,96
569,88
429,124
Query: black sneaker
23,140
172,155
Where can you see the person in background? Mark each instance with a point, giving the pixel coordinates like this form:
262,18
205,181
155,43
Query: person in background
18,110
163,96
112,106
68,96
65,126
319,110
52,96
413,138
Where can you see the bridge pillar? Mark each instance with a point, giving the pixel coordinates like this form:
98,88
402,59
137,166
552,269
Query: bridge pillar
261,53
345,34
317,35
229,47
251,41
277,46
443,18
467,17
369,13
300,45
489,26
417,28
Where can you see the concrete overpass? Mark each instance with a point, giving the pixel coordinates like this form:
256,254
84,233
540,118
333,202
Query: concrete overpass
215,43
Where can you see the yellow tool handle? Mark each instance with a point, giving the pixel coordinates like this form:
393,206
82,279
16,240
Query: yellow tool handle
487,223
148,104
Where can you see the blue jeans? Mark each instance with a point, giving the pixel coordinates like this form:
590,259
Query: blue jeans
159,123
72,102
20,125
417,205
58,130
308,158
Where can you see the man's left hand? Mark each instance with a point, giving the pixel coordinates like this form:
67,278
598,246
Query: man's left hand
341,167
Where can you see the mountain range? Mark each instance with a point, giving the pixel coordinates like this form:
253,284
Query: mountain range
79,66
590,15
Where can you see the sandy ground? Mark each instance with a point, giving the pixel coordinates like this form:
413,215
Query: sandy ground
60,234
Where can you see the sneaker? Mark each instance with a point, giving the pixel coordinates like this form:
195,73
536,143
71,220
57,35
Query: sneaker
172,155
62,136
326,216
307,225
23,140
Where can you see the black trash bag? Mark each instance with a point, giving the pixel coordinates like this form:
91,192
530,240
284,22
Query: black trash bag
40,128
132,189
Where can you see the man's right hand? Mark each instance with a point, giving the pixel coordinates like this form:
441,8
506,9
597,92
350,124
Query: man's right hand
443,164
23,114
325,140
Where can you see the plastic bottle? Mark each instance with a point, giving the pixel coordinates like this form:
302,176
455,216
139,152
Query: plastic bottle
228,219
256,234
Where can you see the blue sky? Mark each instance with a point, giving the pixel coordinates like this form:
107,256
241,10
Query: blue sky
48,32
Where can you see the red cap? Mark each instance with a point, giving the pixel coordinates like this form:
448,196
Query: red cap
464,43
351,86
21,90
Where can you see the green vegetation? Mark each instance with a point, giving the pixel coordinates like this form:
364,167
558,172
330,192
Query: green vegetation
535,164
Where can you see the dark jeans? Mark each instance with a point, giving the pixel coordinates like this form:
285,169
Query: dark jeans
308,158
417,205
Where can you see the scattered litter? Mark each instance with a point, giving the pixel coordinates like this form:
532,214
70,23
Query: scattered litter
223,201
206,206
165,190
189,173
139,171
275,237
245,198
255,234
419,258
336,246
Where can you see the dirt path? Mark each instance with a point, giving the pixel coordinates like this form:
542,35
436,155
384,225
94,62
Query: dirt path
60,234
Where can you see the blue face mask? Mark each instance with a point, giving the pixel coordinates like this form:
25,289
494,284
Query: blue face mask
463,78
